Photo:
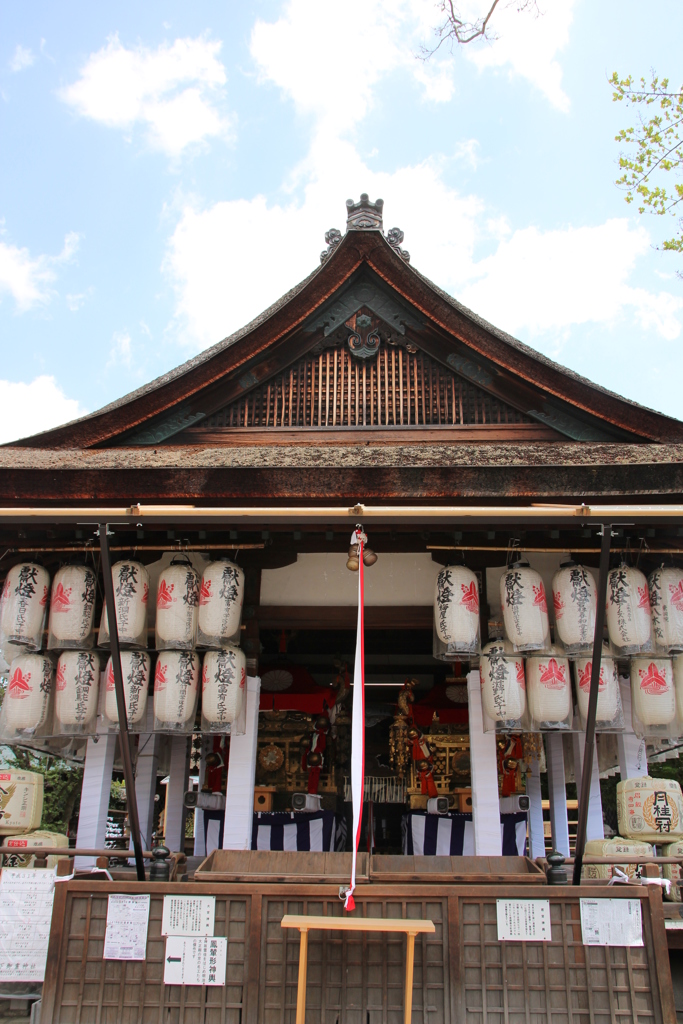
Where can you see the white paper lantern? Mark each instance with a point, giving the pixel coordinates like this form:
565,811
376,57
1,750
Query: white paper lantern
24,605
548,688
77,686
27,699
652,689
176,681
220,603
135,667
503,687
177,606
525,609
628,609
72,607
131,593
666,602
609,698
574,602
456,608
224,679
650,809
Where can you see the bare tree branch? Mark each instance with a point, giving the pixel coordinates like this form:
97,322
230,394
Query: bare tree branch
457,29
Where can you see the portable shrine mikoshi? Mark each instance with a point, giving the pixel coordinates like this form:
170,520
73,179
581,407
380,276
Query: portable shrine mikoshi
335,589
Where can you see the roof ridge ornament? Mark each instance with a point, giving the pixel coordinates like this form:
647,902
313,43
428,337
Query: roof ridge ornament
364,216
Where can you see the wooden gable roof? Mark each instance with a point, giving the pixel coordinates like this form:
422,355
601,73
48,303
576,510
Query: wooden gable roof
434,371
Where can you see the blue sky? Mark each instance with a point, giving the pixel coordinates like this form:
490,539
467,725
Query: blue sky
169,169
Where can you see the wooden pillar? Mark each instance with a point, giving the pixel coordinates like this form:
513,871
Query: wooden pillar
632,751
557,791
595,828
95,793
174,832
146,768
488,840
533,791
251,640
199,843
239,797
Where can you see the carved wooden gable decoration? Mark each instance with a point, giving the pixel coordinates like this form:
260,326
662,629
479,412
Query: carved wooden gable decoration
365,347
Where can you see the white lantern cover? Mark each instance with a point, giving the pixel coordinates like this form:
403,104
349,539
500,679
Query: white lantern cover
26,709
666,602
23,606
456,612
503,685
525,608
221,595
549,691
131,594
629,618
176,680
609,711
224,680
574,603
177,607
135,666
76,692
653,697
72,608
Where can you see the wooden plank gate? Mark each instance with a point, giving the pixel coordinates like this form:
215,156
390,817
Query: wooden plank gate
463,974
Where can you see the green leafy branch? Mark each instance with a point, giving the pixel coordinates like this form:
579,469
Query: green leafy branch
655,149
62,783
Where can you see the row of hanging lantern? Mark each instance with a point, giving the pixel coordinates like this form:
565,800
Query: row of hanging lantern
526,678
75,698
192,609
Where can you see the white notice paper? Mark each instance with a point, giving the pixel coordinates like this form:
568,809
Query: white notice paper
26,896
188,915
195,961
523,920
126,934
611,923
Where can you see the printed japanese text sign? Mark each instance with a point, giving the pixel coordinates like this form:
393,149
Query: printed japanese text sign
611,922
26,897
126,935
523,920
188,915
195,961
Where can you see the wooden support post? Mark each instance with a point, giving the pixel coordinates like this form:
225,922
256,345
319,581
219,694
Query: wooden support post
410,966
587,773
303,968
95,793
533,791
485,805
595,828
179,769
146,767
239,797
124,739
557,791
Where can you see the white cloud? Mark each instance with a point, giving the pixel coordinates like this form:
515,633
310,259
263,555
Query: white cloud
29,279
540,281
121,351
364,40
175,91
22,58
528,44
29,408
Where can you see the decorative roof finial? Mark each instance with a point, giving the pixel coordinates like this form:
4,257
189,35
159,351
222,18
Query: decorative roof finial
364,215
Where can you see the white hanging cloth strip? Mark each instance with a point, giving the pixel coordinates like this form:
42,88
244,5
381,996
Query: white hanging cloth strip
357,721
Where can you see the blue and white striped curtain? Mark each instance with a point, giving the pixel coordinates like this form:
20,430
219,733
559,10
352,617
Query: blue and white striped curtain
300,830
452,835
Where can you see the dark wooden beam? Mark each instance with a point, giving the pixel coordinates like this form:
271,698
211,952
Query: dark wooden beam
344,617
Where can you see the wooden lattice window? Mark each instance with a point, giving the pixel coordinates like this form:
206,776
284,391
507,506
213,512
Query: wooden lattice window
396,388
